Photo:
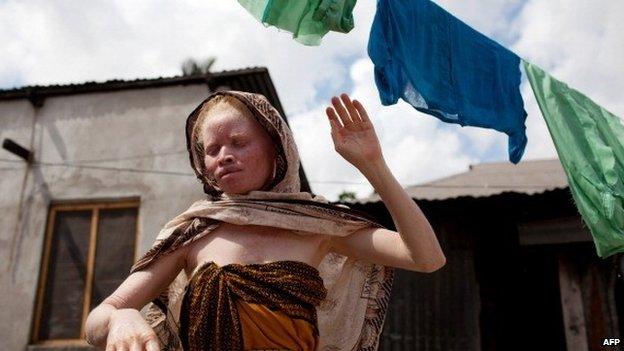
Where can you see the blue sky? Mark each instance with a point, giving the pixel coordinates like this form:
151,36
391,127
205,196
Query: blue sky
580,42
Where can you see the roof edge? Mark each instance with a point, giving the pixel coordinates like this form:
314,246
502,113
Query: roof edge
40,92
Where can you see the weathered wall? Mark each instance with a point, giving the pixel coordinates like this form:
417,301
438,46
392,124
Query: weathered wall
112,127
16,123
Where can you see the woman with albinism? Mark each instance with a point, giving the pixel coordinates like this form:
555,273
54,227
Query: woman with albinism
259,264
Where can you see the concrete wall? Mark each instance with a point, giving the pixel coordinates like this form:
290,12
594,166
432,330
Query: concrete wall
116,125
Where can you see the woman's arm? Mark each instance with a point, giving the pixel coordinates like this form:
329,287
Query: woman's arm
355,139
119,313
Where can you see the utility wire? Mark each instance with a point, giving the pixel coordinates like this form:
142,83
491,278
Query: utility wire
131,157
119,169
9,160
186,174
482,186
115,158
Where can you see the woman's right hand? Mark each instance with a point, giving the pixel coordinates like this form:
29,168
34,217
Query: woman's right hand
116,324
128,331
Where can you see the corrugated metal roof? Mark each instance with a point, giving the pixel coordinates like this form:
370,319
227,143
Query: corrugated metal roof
252,79
487,179
20,92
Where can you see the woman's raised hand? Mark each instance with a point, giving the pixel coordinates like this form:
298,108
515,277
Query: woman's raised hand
352,132
128,331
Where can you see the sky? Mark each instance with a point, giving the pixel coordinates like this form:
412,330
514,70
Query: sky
577,41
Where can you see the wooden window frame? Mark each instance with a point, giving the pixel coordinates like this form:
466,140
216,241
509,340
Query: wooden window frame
95,206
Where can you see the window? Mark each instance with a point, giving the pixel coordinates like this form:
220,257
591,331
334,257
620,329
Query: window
88,252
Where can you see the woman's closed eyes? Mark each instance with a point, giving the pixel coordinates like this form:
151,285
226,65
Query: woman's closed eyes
212,150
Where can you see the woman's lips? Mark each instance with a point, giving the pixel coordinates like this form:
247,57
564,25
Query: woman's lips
228,173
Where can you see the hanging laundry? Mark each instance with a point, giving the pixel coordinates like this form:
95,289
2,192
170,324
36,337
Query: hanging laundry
442,67
308,20
590,144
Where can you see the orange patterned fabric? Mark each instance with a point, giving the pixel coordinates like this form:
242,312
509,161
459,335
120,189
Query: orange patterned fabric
266,329
252,306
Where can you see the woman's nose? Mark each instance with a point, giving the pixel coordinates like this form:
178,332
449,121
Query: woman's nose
225,159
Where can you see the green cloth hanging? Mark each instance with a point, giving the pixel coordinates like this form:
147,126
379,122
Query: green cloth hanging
589,141
308,20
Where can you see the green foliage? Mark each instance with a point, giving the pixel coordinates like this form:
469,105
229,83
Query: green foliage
346,196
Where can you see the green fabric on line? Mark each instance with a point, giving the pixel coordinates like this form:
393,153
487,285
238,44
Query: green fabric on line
589,141
308,20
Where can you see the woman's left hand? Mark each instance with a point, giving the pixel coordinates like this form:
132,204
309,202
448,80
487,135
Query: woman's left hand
352,132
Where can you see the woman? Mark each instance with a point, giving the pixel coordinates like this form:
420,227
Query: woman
259,264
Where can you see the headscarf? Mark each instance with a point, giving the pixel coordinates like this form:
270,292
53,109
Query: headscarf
352,315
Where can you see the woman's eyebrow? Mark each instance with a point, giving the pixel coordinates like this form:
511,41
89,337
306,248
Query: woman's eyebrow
238,135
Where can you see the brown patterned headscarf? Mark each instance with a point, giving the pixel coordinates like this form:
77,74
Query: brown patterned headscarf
268,117
351,316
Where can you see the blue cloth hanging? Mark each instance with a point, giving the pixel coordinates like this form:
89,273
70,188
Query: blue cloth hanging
443,67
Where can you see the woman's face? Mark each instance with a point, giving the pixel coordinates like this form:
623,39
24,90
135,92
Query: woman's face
238,153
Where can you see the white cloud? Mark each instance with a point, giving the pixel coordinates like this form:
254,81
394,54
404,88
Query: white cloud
490,17
52,42
580,43
540,144
415,147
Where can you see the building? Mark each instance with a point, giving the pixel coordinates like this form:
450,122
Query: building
109,169
522,272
